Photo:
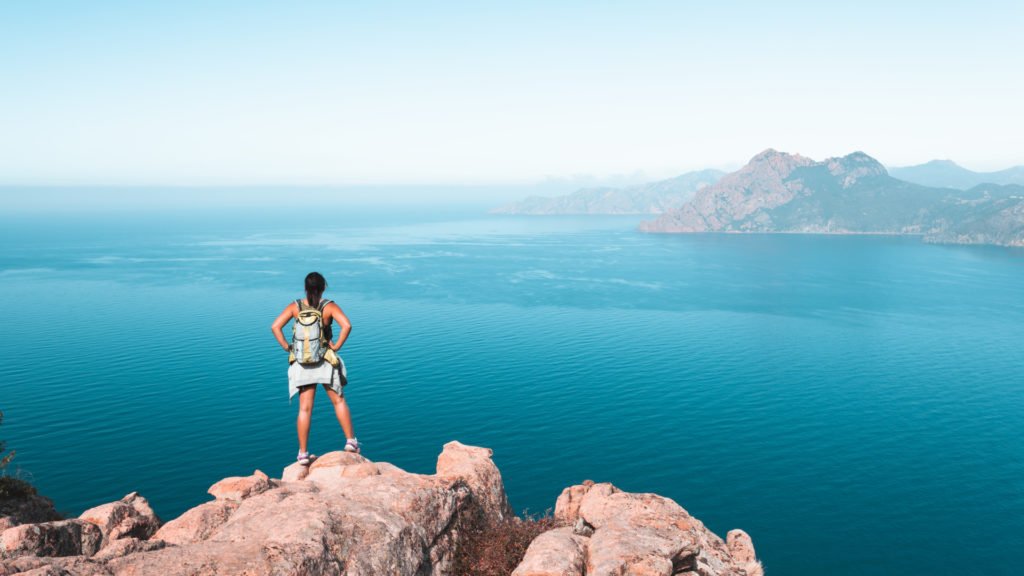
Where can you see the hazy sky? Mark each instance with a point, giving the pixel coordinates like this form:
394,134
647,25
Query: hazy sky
100,92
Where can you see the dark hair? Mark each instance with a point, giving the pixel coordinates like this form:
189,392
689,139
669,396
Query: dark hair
315,286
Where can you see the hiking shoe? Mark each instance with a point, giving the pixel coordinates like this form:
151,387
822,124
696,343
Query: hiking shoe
353,445
304,458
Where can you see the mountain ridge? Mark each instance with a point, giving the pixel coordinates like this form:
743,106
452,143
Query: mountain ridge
852,194
948,174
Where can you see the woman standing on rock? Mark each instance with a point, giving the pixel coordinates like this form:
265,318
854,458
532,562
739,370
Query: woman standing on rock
313,359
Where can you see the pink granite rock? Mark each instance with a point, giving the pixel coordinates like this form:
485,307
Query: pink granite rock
556,552
53,566
388,469
60,538
360,470
45,570
129,517
742,549
198,523
647,535
328,469
239,488
473,465
621,550
125,546
337,459
567,507
359,518
294,473
604,504
356,525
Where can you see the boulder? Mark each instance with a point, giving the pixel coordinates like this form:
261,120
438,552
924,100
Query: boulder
615,550
296,472
348,516
198,523
641,535
129,517
60,538
239,488
567,506
742,549
473,465
336,459
355,526
556,552
329,469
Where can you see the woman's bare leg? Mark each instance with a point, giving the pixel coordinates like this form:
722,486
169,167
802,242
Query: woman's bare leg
341,411
306,395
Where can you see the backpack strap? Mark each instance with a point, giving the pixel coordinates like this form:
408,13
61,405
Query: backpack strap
327,334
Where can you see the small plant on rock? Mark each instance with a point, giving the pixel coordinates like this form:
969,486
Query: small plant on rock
5,459
11,487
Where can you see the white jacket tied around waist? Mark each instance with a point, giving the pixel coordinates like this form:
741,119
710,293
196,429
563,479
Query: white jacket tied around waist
322,373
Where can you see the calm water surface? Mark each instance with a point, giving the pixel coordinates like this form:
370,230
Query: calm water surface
855,404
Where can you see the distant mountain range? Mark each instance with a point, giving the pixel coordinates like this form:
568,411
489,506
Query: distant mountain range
652,198
854,194
948,174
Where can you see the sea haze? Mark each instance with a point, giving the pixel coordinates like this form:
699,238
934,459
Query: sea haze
855,403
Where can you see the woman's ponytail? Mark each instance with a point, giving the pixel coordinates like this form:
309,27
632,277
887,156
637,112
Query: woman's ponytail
315,287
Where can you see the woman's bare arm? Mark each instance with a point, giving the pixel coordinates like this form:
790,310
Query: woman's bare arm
335,313
290,312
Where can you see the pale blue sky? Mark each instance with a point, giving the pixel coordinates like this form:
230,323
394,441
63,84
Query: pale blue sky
99,92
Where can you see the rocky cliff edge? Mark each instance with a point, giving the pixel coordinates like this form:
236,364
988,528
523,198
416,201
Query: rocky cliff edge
347,515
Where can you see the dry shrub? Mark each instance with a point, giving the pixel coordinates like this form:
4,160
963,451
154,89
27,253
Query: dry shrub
495,548
12,488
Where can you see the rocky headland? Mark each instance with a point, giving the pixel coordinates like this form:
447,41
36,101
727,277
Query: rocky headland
651,198
853,194
347,515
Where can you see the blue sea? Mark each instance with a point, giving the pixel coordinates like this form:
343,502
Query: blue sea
855,403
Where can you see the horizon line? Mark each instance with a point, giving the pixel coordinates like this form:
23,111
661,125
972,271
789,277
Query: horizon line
581,179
